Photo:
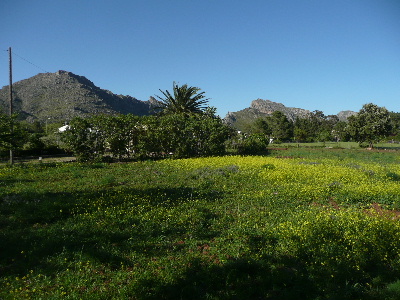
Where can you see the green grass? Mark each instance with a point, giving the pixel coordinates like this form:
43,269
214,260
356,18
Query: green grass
336,145
296,224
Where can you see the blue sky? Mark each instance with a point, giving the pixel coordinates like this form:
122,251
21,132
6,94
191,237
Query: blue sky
313,54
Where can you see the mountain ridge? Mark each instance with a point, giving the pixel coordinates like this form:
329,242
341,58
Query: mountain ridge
62,95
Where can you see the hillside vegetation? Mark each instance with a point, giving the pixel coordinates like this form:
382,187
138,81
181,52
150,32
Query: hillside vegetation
61,96
296,224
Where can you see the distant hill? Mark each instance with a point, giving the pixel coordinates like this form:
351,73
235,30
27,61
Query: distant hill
263,108
60,96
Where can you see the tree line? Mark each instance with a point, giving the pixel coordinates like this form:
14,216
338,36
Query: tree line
370,125
183,126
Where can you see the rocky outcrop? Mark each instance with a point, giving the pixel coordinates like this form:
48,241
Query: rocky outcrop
263,108
268,107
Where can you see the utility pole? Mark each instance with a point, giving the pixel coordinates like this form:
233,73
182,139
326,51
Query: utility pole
11,105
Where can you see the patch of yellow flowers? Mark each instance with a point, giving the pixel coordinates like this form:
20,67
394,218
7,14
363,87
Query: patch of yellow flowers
312,180
334,239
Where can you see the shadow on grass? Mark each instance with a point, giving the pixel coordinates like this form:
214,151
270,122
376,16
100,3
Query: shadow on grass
237,279
36,228
6,182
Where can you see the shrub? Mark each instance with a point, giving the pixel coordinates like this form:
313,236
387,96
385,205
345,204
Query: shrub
250,144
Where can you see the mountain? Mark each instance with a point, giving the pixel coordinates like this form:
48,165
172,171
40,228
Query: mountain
60,96
262,108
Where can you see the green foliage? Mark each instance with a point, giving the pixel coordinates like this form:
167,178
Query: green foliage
180,135
34,143
12,135
315,127
185,99
261,126
169,135
340,132
300,134
303,130
392,291
120,133
395,119
246,144
35,127
281,128
370,124
84,139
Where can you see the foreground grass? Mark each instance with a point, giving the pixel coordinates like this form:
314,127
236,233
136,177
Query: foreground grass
298,224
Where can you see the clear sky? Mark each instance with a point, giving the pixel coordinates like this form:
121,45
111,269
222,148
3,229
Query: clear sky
328,55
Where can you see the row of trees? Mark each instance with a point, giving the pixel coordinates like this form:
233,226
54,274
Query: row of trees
128,136
27,138
370,125
184,126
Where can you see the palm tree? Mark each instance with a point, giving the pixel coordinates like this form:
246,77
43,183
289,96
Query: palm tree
185,99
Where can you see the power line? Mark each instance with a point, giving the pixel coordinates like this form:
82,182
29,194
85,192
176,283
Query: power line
29,62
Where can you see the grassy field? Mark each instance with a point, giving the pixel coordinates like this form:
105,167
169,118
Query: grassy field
336,145
294,224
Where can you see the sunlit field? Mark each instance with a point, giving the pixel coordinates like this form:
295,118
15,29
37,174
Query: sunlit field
294,224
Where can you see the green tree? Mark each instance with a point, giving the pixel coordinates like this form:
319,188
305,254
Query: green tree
340,132
261,125
34,144
184,99
84,139
6,136
395,117
281,128
182,136
326,130
12,135
300,134
370,124
247,144
315,127
120,133
302,130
